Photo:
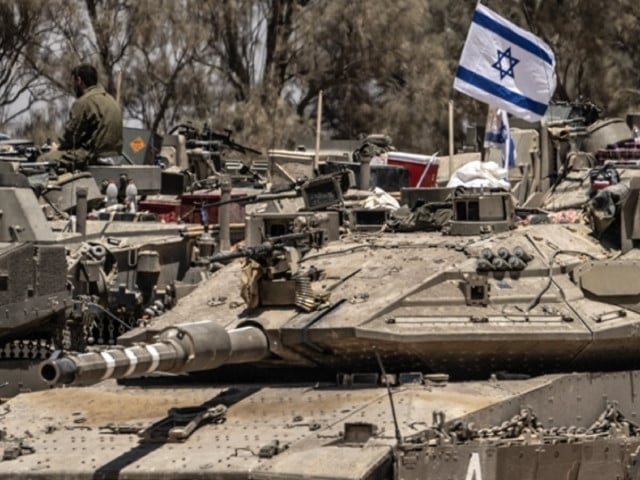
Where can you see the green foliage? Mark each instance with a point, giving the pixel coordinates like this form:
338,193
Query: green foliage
38,128
19,33
257,66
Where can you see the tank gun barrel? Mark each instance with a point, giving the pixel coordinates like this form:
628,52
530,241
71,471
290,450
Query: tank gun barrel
181,348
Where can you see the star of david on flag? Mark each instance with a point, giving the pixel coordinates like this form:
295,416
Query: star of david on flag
508,71
506,66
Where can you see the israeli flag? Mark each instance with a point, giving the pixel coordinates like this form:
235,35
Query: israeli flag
497,135
506,66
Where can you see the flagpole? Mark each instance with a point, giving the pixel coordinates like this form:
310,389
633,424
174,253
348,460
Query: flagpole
450,138
316,157
485,149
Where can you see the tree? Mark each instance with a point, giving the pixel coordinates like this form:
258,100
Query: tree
20,31
79,31
164,80
597,54
257,66
113,28
251,50
384,66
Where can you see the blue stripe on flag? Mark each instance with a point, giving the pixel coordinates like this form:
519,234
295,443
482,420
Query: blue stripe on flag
511,154
511,36
497,90
493,137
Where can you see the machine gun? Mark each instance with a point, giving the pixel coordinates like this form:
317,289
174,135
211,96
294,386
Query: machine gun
302,242
31,167
272,275
210,140
293,192
205,157
224,140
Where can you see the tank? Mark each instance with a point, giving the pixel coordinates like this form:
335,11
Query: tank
68,282
460,336
33,267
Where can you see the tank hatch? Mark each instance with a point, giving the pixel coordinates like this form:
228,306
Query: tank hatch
476,213
608,278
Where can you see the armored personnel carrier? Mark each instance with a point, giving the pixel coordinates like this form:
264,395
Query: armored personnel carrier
471,338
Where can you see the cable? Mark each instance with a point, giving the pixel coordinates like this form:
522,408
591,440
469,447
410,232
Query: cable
537,298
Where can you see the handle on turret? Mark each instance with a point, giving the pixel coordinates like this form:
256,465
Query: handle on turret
181,348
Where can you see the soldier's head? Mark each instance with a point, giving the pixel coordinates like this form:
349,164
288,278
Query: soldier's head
84,76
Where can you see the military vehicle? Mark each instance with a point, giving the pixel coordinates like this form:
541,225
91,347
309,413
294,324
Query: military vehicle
462,336
69,281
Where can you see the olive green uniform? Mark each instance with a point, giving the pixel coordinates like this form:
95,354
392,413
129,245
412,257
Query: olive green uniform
93,131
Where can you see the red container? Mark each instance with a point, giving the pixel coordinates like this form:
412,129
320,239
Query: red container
423,169
167,211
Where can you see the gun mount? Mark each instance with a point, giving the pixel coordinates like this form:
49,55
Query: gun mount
272,274
198,157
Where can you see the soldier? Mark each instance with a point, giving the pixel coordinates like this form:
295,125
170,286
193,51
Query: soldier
93,133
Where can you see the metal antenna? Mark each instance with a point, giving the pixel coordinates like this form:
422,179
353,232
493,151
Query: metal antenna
393,408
